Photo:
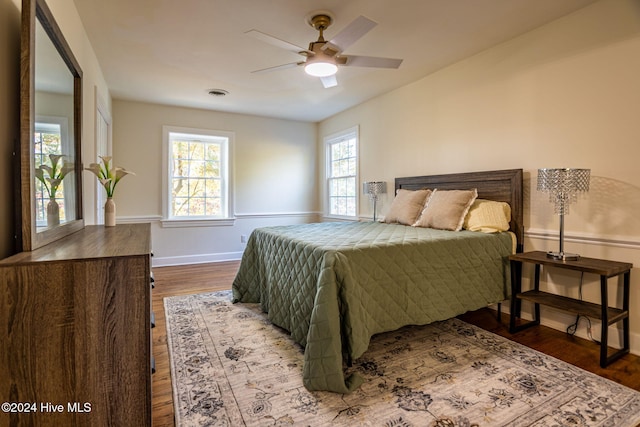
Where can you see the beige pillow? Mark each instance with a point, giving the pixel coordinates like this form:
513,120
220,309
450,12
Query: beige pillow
446,209
488,216
406,206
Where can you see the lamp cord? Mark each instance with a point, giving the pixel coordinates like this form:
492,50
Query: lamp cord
572,328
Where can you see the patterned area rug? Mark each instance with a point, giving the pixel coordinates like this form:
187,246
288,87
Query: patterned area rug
231,367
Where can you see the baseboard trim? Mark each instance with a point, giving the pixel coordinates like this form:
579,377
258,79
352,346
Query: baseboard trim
196,259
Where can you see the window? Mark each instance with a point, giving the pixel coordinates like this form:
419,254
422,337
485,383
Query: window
197,183
342,173
51,138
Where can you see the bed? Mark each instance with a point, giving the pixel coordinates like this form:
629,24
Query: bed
335,285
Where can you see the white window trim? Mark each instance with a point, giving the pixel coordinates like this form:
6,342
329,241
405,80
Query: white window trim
63,122
172,222
328,140
41,124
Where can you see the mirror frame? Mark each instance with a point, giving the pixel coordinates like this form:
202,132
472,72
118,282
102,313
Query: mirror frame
29,238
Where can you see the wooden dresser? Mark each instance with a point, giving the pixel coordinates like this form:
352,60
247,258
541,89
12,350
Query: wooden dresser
75,334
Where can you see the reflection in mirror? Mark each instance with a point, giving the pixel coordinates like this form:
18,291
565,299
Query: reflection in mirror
53,147
50,121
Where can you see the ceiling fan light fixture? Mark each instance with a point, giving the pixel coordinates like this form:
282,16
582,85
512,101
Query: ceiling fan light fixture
321,69
322,58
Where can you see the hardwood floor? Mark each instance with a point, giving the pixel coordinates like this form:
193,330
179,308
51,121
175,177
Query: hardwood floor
171,281
193,279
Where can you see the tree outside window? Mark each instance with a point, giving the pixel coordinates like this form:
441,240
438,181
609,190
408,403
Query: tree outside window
342,170
198,170
48,140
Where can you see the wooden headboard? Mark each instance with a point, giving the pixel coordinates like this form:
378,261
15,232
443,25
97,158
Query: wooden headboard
501,186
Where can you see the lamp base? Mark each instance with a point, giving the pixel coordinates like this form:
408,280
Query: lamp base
564,256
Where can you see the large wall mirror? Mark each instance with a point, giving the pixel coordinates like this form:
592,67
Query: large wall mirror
51,126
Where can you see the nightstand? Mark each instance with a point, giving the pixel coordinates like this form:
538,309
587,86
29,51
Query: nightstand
608,315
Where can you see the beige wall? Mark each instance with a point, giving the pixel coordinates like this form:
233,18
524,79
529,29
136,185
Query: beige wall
564,95
274,168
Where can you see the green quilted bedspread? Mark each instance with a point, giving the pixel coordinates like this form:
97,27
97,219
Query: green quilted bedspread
334,285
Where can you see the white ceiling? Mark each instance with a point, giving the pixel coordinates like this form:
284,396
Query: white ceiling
174,51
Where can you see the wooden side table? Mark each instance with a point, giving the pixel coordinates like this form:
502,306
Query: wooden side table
608,315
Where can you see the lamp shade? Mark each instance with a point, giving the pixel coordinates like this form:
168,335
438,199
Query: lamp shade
374,188
563,186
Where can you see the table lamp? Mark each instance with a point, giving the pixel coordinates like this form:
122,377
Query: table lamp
563,186
373,189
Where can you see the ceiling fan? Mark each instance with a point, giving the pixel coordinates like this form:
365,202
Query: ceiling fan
323,58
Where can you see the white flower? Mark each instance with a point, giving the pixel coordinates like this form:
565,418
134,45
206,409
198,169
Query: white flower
107,175
55,174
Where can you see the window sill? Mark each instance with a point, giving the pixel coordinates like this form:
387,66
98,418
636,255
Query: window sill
199,222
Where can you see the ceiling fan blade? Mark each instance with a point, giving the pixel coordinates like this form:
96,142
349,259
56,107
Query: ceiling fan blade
352,33
276,41
278,67
372,61
329,81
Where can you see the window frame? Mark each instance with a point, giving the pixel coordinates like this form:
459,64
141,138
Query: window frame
227,217
329,141
42,124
